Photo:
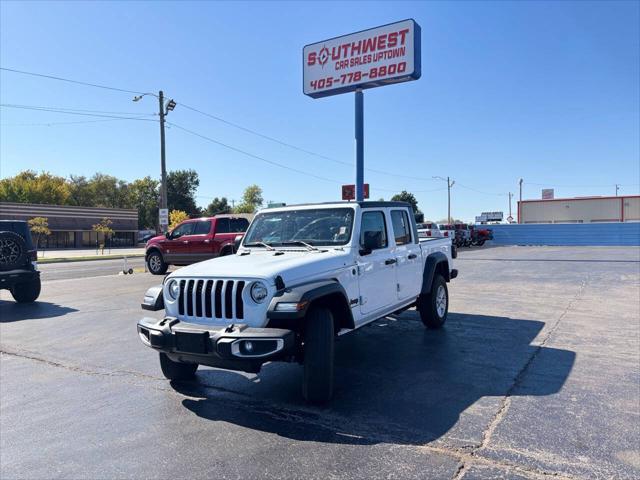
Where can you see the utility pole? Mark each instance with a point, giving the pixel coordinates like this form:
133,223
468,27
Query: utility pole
520,202
359,134
450,184
163,162
510,197
617,188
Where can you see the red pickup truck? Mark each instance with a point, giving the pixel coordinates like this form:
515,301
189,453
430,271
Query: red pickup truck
193,241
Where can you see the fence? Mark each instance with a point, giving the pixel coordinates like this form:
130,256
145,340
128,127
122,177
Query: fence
566,234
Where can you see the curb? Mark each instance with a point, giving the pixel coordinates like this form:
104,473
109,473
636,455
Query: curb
88,259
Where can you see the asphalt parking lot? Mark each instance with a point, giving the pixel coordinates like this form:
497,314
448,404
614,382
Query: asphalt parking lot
535,375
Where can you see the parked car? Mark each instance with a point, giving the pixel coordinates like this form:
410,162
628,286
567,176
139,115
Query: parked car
193,241
18,261
428,230
302,276
448,231
480,235
462,235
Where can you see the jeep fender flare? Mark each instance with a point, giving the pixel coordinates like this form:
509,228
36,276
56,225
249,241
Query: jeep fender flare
437,262
328,293
153,249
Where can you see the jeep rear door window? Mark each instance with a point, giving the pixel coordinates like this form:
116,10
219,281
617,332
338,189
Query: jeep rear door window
373,227
317,227
401,228
202,228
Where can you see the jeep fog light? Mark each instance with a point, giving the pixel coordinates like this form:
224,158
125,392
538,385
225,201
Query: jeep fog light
174,289
258,292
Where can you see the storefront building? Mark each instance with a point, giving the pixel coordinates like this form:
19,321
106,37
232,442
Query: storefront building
72,227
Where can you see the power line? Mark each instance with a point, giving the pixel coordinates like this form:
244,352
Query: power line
52,77
50,124
68,109
79,113
479,191
257,157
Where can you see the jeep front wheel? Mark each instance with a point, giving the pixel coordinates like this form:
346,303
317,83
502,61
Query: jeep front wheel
317,383
176,370
434,306
156,264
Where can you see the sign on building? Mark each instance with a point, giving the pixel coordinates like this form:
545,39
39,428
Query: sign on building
547,194
490,217
371,58
349,192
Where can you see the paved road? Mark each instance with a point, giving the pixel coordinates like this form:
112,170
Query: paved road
535,375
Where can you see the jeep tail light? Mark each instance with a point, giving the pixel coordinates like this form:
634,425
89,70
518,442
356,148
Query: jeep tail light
446,233
33,255
428,233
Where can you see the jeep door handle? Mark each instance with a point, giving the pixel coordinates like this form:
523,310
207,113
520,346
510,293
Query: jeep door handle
412,256
390,261
185,241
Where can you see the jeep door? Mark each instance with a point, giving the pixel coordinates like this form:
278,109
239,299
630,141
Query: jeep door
408,254
376,269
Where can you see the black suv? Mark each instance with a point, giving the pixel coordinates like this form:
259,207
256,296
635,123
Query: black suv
18,256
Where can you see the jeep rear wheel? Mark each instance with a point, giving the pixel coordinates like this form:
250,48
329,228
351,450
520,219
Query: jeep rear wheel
156,264
317,382
26,292
177,370
434,306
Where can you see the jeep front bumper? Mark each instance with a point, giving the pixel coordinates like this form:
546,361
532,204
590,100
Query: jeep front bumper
234,347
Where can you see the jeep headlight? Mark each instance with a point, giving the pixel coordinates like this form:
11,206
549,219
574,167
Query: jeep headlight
258,292
173,289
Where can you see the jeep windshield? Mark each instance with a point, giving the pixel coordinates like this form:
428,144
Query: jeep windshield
295,228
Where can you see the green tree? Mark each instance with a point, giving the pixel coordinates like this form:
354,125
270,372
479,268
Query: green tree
251,200
144,194
31,187
218,206
39,226
176,217
405,196
110,192
181,190
80,192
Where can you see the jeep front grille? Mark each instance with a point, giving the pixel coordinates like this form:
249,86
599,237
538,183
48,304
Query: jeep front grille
211,299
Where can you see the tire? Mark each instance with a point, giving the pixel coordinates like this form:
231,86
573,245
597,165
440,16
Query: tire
156,264
13,251
480,243
226,251
26,292
319,336
177,370
433,312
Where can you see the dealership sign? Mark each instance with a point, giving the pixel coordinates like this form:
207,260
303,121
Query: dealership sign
370,58
349,191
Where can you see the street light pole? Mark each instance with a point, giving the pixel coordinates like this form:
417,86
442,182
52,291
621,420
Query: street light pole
163,160
617,188
510,197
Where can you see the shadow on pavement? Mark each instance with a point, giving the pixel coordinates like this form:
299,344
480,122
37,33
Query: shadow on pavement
15,312
395,382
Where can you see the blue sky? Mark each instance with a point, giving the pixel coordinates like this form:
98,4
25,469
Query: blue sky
546,91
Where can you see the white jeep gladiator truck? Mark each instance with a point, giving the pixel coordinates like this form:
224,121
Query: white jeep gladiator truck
302,276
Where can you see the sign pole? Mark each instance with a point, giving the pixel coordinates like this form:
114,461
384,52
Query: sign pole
359,145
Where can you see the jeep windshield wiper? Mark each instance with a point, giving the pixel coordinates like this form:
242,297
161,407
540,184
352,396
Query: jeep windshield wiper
259,244
300,242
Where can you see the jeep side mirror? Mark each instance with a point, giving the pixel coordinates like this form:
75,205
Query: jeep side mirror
168,235
372,240
236,242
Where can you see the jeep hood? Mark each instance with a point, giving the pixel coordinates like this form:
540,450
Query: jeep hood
290,265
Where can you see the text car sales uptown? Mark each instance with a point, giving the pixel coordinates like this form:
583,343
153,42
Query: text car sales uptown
360,53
